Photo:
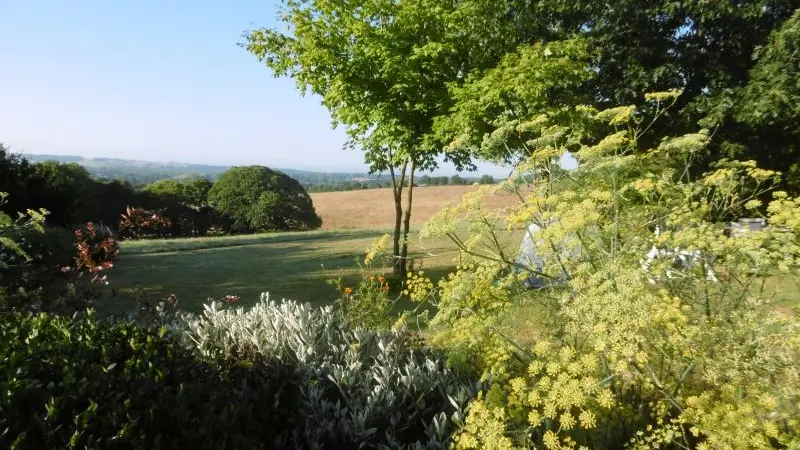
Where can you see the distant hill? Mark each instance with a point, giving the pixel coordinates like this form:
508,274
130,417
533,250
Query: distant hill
140,173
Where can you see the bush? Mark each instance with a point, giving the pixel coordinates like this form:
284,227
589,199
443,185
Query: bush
51,269
52,247
618,354
362,388
140,223
277,376
258,198
86,383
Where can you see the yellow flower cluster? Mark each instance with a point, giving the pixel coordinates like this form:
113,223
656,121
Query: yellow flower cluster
418,286
662,96
377,249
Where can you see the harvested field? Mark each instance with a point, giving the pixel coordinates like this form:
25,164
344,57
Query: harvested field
374,208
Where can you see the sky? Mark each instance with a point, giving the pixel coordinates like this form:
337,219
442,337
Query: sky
158,80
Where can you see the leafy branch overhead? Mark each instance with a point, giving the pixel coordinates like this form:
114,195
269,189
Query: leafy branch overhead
383,69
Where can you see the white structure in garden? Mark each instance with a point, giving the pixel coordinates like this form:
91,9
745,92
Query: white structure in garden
681,258
528,259
684,259
531,262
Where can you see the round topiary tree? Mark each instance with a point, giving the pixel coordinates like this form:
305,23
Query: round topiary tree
258,198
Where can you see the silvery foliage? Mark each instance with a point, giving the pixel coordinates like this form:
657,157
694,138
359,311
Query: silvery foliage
386,392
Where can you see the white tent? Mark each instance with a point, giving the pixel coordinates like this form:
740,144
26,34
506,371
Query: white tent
529,261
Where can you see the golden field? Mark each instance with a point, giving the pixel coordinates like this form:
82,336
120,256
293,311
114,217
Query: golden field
374,208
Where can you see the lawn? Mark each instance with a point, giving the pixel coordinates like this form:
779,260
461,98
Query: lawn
297,265
287,265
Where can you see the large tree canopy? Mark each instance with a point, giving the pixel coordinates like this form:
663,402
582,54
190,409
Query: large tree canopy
707,50
258,198
768,111
383,69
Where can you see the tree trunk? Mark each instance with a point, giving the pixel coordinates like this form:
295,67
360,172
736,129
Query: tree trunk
397,190
407,223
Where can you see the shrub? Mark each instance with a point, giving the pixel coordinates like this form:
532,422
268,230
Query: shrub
85,383
50,268
276,376
52,247
361,388
369,304
616,356
140,223
258,198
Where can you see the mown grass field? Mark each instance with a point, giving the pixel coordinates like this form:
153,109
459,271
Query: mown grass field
295,266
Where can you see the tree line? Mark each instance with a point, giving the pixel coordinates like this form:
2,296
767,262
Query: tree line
424,180
243,200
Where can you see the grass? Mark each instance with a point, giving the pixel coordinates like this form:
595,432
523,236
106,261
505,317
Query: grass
287,265
294,266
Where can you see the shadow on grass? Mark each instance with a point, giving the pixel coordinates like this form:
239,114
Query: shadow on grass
151,246
294,266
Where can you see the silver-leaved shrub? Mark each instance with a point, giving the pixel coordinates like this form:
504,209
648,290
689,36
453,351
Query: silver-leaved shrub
358,387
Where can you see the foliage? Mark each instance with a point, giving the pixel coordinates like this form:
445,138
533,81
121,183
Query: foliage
360,388
72,197
620,358
383,70
96,249
193,194
369,304
260,199
49,268
708,50
14,173
136,173
378,66
493,109
138,223
277,376
13,254
769,102
86,383
64,190
185,205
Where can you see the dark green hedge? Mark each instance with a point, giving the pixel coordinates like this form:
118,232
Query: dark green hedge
86,383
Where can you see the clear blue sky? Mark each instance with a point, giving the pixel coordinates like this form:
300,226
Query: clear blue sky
160,81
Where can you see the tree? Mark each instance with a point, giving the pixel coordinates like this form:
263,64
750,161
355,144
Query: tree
383,69
768,109
258,198
64,189
110,199
192,194
15,171
168,188
195,193
487,179
609,54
